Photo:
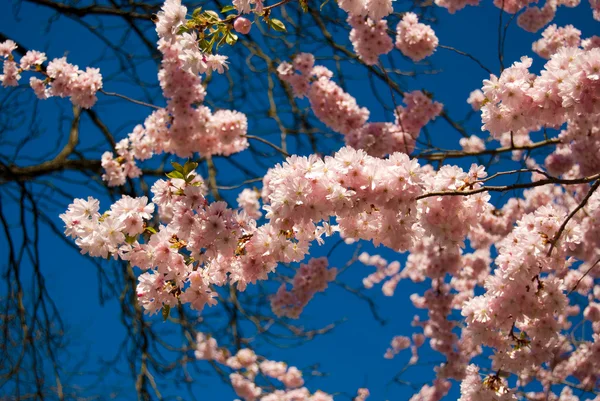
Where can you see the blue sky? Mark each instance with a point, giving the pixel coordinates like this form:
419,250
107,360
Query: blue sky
351,355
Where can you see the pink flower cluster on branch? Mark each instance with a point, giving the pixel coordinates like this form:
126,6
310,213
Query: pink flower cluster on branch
567,90
340,112
532,19
184,127
61,78
249,370
523,314
374,9
414,39
369,38
519,297
310,278
204,244
248,201
555,38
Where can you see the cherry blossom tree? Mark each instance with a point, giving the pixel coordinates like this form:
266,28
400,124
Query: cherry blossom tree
508,284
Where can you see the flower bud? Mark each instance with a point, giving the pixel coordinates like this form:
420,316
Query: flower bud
242,25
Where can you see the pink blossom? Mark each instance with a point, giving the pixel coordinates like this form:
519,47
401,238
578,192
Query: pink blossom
309,279
32,58
7,47
472,144
415,40
369,38
554,38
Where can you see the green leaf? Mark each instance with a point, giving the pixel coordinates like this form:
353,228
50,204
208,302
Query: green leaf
227,9
177,166
231,38
151,230
211,16
188,167
182,29
277,25
166,310
197,12
175,174
323,4
129,240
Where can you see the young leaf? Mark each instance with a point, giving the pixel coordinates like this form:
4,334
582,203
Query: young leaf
211,16
227,9
231,38
177,166
175,174
277,25
188,167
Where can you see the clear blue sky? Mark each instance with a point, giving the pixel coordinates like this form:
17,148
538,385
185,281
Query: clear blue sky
352,355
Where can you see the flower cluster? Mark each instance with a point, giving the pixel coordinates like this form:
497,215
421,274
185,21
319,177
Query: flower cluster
535,18
518,295
492,388
192,129
374,199
184,127
472,144
532,19
340,112
398,344
61,78
369,38
476,99
248,201
104,235
374,9
384,270
419,111
371,198
117,170
434,392
567,90
555,38
310,278
455,5
170,19
595,4
248,373
362,394
434,212
206,244
414,39
245,6
381,139
186,246
334,107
